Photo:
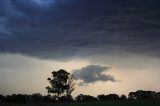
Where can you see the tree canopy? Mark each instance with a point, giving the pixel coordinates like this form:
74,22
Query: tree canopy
61,82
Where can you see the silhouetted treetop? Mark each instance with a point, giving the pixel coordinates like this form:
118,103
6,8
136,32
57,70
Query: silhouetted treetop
61,83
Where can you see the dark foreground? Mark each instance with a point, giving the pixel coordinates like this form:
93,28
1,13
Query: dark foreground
107,103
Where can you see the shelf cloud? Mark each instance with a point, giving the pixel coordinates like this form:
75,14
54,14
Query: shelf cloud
80,28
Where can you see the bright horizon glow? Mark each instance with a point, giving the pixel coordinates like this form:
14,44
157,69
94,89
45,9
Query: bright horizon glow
17,69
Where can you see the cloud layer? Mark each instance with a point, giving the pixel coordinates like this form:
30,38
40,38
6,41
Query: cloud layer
91,74
67,28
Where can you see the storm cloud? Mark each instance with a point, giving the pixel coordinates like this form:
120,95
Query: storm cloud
61,29
91,74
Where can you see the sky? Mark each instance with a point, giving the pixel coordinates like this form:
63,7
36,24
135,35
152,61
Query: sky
111,46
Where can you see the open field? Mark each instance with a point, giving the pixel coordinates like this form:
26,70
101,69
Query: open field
107,103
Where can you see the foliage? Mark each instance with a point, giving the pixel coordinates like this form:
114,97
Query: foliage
71,86
61,83
140,95
85,98
133,97
108,97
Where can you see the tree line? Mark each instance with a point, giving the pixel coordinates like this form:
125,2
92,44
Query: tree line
62,84
38,98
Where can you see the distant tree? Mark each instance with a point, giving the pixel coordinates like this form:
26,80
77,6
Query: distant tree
158,95
85,98
61,83
101,97
47,98
141,95
131,96
2,98
123,97
64,99
37,97
108,97
16,98
112,97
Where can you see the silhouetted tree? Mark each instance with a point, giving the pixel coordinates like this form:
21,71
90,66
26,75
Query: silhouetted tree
54,98
85,98
123,97
71,87
112,97
16,98
37,97
140,94
65,99
101,97
62,83
131,96
108,97
158,95
2,98
59,82
47,98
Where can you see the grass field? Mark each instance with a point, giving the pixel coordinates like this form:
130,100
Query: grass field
107,103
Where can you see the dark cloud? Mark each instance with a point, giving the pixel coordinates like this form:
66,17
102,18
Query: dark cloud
68,28
91,74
